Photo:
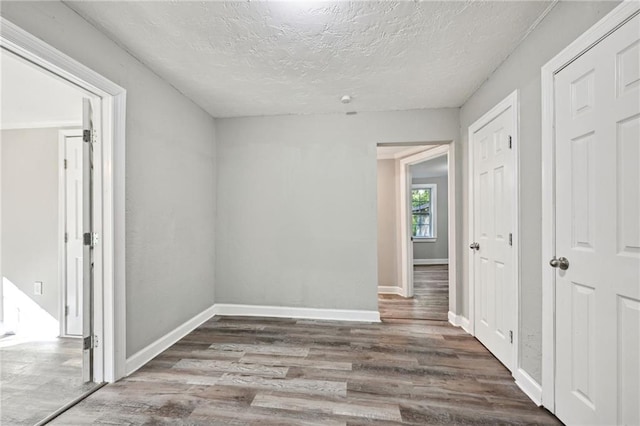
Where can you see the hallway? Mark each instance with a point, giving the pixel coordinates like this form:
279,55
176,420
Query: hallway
430,300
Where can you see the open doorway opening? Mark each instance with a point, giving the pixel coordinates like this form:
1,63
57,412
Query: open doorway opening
414,232
47,305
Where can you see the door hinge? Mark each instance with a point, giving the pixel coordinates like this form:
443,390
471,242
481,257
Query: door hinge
90,239
86,135
510,142
65,164
66,311
90,342
510,239
511,336
66,237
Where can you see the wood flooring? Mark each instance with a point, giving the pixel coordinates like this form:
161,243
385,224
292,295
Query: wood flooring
266,371
38,377
430,300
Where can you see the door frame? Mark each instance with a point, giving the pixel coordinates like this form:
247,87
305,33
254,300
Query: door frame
511,101
612,21
109,275
403,231
62,212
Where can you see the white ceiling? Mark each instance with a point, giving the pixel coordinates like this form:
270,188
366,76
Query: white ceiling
390,152
265,58
436,167
31,97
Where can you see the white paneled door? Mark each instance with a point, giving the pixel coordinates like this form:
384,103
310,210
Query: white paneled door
73,235
493,203
597,104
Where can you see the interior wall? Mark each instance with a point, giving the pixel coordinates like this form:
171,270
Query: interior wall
170,177
297,215
439,249
387,224
521,71
30,213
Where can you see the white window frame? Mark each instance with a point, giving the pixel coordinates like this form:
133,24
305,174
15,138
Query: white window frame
433,201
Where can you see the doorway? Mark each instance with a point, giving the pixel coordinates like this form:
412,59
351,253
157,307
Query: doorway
98,114
42,344
416,225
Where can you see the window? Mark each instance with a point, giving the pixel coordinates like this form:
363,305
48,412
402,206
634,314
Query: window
423,211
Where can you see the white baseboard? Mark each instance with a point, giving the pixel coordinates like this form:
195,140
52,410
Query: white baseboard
226,309
430,261
459,321
143,356
529,386
388,289
464,324
524,381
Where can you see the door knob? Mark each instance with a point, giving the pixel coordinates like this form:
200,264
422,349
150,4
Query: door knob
474,246
562,263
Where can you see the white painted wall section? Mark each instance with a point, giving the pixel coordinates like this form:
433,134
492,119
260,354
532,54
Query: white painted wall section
170,177
297,205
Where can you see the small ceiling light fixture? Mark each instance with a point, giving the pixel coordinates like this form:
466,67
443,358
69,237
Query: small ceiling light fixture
345,99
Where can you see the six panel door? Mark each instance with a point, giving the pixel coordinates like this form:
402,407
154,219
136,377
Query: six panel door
495,289
598,230
73,236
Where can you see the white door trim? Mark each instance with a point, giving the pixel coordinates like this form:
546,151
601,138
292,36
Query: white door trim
110,354
511,101
62,249
404,185
586,41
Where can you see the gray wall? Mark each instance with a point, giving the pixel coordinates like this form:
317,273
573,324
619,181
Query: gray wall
387,225
521,71
30,213
297,205
170,177
440,248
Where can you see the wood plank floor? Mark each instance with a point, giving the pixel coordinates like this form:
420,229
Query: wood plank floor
38,377
261,371
430,299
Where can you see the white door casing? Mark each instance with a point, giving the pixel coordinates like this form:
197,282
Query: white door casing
597,186
493,222
72,284
403,194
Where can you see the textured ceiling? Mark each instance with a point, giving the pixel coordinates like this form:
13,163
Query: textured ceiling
264,58
396,151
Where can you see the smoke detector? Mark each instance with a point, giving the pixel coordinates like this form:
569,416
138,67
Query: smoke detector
345,99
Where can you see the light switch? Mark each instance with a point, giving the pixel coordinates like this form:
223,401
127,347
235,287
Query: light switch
37,288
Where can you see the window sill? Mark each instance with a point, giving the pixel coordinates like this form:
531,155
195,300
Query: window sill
424,240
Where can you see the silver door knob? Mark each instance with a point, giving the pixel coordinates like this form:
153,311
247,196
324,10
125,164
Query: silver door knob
562,263
474,246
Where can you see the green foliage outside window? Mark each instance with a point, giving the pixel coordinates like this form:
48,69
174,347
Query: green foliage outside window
421,212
